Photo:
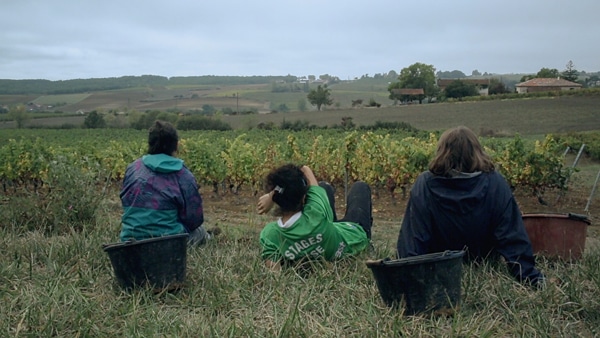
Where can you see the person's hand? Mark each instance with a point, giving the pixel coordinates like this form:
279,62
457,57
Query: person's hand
273,266
306,170
555,281
309,175
545,282
265,203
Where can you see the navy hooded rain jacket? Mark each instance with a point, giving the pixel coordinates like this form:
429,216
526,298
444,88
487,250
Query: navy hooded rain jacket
476,211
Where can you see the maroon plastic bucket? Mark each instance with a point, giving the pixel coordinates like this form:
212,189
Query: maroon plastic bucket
557,236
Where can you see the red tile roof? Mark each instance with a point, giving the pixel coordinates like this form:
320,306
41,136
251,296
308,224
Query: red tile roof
548,82
408,91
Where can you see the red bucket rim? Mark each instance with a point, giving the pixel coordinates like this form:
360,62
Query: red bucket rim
573,216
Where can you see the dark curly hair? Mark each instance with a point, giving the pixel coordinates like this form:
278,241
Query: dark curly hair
289,186
162,138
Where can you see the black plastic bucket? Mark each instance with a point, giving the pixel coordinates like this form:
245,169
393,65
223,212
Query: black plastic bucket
156,262
426,283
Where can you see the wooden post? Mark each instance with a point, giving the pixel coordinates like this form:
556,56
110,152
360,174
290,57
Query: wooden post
587,206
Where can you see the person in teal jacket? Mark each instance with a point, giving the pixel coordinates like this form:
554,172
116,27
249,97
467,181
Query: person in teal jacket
308,227
160,195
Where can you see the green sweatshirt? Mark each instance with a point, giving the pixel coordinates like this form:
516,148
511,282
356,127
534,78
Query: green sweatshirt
313,234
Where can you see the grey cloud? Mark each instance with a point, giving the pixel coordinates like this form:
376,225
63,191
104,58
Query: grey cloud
54,39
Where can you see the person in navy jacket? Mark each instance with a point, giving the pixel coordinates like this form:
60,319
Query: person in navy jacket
462,202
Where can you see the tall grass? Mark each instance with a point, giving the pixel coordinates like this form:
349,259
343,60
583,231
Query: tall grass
62,285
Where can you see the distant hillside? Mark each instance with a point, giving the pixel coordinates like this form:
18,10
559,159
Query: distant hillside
185,94
74,86
47,87
229,95
188,94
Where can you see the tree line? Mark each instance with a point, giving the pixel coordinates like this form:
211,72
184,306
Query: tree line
424,76
48,87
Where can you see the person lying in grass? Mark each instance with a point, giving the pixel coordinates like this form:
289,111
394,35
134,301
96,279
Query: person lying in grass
463,202
307,227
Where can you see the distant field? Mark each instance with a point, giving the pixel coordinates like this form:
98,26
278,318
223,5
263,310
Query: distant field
533,117
258,97
508,117
501,117
61,99
10,100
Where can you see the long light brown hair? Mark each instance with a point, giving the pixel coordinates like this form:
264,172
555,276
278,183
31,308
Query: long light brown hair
459,149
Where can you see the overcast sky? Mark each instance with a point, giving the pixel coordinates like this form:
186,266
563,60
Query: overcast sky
72,39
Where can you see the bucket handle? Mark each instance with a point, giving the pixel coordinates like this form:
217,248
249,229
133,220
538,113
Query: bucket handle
380,262
106,246
376,262
579,217
129,241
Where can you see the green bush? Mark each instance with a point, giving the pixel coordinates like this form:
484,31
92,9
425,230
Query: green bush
576,140
94,120
67,201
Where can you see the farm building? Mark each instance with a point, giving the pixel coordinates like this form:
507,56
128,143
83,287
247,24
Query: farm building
546,85
407,95
482,85
408,91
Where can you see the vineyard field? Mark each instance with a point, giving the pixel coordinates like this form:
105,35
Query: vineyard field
385,159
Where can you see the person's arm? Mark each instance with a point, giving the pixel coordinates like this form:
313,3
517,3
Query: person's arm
415,232
265,203
309,175
514,245
191,213
270,249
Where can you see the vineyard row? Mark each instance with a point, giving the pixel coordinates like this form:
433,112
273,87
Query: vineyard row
384,160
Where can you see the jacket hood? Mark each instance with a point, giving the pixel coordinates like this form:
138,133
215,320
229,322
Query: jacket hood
162,163
461,193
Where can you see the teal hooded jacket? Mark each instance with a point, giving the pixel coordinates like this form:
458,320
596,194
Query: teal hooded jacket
160,197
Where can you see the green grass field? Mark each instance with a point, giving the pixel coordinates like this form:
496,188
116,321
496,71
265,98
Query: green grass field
63,286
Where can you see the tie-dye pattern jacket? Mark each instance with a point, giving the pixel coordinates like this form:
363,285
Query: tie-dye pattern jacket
160,197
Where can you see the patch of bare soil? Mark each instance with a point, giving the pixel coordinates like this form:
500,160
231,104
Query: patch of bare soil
240,209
